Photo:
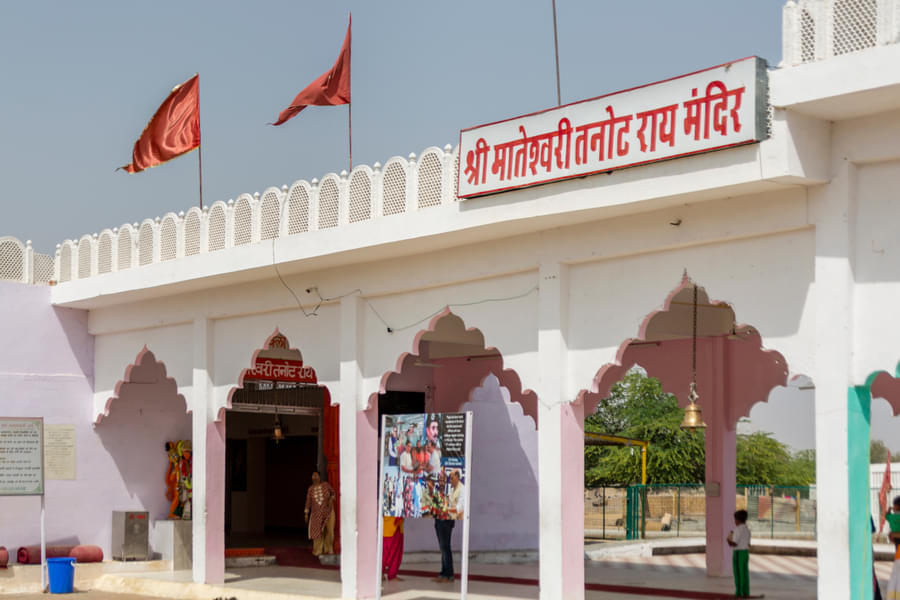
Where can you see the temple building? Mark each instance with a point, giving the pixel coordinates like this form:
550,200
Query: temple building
734,229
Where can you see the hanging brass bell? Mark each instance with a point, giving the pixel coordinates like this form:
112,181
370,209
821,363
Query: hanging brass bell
693,418
277,433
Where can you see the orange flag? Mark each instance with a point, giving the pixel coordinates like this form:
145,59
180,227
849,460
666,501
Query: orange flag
330,89
173,130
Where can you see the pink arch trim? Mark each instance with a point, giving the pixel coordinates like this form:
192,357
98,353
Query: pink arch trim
220,414
144,358
767,367
508,378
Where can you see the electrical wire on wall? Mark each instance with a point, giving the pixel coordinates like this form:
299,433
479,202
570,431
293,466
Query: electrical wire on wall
309,290
390,329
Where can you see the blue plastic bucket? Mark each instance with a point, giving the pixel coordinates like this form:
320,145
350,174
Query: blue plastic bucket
62,575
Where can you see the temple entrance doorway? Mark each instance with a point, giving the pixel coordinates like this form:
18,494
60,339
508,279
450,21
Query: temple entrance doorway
280,430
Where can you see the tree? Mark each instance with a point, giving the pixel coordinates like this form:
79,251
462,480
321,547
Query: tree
638,408
878,452
801,470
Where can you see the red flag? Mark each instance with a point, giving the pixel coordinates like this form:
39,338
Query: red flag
883,494
330,89
173,130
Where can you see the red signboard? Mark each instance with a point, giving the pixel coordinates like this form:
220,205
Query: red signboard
280,369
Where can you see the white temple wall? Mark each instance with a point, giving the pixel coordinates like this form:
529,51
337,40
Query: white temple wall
754,252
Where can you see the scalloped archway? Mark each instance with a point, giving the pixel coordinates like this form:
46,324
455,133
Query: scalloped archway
732,361
145,370
446,345
278,367
734,372
144,412
455,369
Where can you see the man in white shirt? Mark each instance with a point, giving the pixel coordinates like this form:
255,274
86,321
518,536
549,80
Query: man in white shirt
457,496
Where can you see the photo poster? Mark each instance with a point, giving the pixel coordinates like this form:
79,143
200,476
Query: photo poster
422,457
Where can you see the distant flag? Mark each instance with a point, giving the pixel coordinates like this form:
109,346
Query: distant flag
883,494
330,89
174,129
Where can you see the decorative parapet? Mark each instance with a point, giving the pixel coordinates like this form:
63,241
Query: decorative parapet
19,262
819,29
368,193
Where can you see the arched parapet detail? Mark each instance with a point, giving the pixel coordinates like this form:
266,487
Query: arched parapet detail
243,220
85,247
446,325
276,359
270,209
168,237
429,172
144,370
360,194
663,347
66,257
329,201
125,241
145,242
881,384
12,259
394,186
105,251
296,207
192,228
217,217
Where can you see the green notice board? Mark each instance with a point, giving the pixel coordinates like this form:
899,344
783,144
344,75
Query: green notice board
21,456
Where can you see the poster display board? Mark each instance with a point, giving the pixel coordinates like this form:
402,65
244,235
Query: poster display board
424,458
426,466
21,456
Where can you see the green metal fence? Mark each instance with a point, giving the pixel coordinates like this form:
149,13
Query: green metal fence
653,511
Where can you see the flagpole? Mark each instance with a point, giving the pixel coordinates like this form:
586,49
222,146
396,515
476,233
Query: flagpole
556,52
199,149
349,103
200,173
350,131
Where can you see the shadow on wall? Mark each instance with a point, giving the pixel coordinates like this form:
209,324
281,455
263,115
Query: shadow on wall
147,412
81,343
504,480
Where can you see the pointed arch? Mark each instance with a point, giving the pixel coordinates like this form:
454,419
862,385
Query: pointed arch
448,326
663,347
144,370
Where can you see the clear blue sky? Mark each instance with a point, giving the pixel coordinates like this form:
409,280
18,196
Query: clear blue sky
81,79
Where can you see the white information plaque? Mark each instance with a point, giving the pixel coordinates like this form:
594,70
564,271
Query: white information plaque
21,456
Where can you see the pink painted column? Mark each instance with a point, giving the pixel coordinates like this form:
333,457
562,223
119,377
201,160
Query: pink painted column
215,502
572,430
721,460
366,502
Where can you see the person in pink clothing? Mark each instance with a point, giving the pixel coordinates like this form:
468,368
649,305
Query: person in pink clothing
392,547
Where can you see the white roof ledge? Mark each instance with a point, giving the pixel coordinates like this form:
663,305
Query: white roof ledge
843,87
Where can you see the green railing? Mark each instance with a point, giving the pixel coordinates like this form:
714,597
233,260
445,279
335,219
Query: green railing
679,510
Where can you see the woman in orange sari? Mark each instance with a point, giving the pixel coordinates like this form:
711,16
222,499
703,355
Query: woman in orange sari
392,547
